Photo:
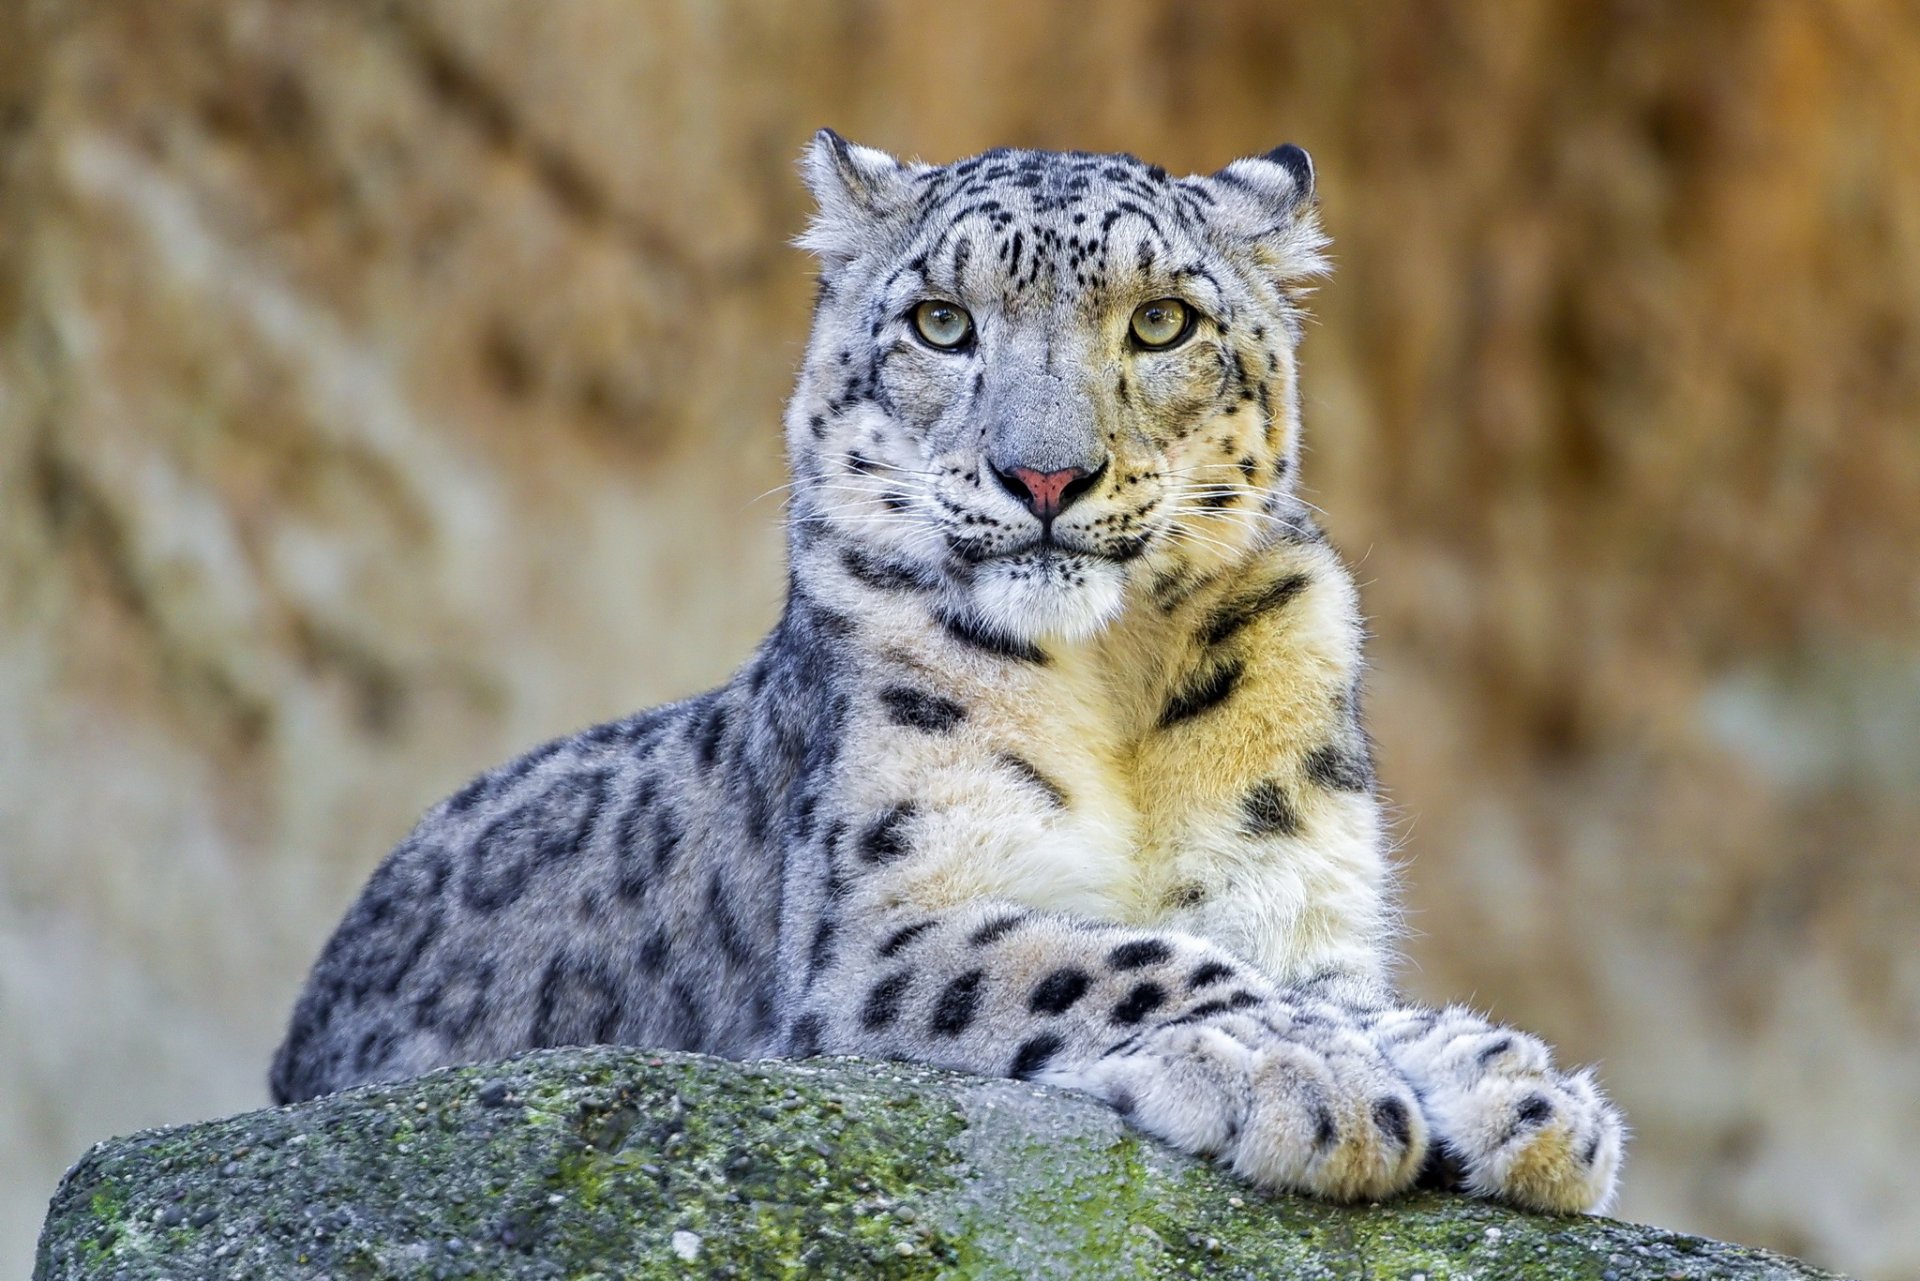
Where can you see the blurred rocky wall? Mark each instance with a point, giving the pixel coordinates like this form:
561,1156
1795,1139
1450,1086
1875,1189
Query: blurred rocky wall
385,386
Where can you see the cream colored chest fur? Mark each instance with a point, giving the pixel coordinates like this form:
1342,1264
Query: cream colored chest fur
1154,831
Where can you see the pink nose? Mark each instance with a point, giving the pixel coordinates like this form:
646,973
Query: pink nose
1046,494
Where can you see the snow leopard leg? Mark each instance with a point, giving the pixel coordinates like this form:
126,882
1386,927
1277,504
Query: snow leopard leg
1191,1045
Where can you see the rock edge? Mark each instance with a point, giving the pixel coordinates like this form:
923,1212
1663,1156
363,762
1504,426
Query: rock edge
607,1162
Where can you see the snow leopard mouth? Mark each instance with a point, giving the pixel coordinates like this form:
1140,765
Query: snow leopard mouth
1047,551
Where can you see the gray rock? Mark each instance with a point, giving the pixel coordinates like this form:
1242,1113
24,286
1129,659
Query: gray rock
607,1162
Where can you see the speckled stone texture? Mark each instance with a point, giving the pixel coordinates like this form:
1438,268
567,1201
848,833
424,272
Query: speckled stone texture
605,1162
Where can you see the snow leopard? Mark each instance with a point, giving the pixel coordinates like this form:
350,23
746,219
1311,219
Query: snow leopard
1053,766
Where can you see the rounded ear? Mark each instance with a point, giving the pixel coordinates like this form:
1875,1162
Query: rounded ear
1269,201
855,189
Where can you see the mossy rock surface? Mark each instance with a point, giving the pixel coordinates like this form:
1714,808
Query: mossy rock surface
614,1163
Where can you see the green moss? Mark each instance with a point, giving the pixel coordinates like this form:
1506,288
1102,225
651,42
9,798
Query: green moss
603,1162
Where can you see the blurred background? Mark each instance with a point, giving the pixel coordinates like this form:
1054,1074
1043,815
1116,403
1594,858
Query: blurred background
385,387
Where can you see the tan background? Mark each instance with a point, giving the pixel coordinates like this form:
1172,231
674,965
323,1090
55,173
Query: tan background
385,386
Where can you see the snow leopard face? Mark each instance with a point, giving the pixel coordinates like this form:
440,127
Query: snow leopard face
1051,383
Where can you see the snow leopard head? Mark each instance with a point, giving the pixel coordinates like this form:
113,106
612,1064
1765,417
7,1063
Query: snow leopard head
1052,383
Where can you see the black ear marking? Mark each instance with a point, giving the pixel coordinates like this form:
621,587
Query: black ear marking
856,188
862,172
1297,162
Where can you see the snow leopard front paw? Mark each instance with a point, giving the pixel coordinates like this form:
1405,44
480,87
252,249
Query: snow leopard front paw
1288,1102
1506,1123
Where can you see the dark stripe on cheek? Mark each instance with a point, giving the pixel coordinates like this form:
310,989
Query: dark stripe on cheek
881,574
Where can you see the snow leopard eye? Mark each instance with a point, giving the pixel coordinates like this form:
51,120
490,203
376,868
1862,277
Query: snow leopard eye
943,325
1161,323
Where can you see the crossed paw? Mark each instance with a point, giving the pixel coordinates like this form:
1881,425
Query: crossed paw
1312,1100
1513,1126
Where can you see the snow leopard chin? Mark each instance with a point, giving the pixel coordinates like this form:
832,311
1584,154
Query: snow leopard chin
1049,595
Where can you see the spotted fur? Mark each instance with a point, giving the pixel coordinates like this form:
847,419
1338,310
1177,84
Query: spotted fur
1069,788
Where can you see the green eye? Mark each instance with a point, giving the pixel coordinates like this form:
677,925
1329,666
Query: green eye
1161,323
943,324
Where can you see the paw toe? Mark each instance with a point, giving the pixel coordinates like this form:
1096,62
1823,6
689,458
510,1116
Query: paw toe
1553,1145
1345,1129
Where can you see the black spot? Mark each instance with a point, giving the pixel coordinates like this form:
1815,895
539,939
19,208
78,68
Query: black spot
652,957
708,732
1059,991
1494,1051
667,832
1324,1130
1268,810
883,841
1240,611
1442,1171
1131,956
1534,1111
804,1041
959,1002
1341,770
1034,1054
993,930
1027,771
903,936
821,950
918,709
800,815
1208,972
1592,1150
883,1002
578,1004
531,838
633,870
729,930
976,635
1241,1000
1391,1118
1143,1000
1122,1102
457,1002
1202,693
